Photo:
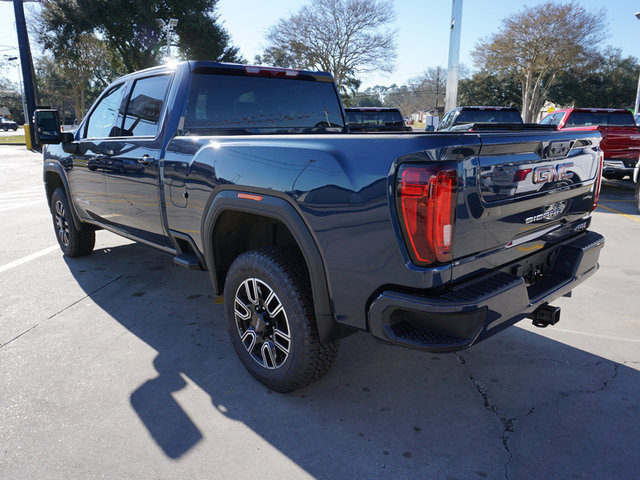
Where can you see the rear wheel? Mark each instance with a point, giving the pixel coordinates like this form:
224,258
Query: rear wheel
271,321
73,242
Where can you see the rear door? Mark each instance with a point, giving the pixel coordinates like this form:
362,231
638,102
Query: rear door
132,182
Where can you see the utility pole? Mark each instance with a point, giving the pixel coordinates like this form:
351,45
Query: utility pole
454,55
26,65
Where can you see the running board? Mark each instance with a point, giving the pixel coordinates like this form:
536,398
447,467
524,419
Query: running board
188,260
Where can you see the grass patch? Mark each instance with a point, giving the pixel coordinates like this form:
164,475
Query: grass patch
12,140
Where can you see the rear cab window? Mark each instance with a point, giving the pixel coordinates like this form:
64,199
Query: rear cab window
488,116
387,118
585,119
244,104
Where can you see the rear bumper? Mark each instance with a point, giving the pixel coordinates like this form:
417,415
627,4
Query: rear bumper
620,166
479,309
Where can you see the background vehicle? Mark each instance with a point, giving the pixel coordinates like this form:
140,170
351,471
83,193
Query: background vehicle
620,135
460,117
6,124
375,119
428,241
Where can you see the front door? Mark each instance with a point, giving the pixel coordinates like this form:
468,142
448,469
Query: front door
86,167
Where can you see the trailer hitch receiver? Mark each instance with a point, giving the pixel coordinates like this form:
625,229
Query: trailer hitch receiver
545,315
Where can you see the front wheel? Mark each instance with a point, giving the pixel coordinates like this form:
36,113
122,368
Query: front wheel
271,321
73,242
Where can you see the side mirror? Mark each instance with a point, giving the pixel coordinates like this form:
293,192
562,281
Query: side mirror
47,126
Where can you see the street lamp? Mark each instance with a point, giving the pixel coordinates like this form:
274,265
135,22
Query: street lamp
168,28
635,107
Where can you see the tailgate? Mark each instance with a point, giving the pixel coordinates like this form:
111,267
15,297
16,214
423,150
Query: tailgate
521,192
620,142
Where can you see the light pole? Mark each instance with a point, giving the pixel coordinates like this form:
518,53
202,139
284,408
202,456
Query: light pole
451,98
635,107
168,28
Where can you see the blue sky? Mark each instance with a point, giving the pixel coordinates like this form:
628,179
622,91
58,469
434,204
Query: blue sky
422,29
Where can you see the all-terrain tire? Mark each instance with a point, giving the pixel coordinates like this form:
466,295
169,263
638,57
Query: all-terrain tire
73,242
271,321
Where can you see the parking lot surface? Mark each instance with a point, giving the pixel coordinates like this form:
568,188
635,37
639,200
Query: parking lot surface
118,365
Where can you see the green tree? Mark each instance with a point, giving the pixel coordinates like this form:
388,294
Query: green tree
486,89
608,81
131,31
55,88
343,37
539,43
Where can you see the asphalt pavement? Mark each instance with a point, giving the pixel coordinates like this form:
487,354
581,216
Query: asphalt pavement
117,365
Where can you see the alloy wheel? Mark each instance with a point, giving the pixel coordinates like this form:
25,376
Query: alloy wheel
262,323
62,226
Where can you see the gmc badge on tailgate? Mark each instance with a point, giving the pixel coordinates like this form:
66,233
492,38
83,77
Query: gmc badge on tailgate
552,173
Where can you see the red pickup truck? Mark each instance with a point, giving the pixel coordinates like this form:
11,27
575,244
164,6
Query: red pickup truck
620,135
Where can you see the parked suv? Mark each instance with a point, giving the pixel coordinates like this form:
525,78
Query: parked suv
6,124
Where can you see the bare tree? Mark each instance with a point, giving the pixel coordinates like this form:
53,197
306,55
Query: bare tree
343,37
538,44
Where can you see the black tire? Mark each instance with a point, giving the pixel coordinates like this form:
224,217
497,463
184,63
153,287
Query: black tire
5,128
73,242
271,321
638,194
14,128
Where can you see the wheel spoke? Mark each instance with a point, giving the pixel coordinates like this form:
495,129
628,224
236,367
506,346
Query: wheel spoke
251,289
282,341
252,337
272,309
245,312
268,355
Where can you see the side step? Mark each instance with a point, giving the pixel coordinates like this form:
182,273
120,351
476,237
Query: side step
188,260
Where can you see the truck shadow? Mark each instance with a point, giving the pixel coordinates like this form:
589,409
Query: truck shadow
381,410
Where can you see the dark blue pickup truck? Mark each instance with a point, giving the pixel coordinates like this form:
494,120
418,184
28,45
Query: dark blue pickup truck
432,241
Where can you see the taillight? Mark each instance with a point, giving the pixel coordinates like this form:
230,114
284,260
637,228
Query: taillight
596,194
426,199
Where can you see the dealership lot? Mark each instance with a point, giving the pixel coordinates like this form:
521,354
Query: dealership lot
118,365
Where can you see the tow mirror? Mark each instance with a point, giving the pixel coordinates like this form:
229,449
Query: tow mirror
47,126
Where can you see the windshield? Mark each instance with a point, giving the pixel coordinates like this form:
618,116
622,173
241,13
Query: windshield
383,118
582,119
488,116
230,104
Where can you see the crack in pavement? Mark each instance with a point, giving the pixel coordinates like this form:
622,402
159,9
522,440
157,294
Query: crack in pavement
508,423
64,309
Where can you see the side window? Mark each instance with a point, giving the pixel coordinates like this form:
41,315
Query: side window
446,120
102,122
142,117
547,120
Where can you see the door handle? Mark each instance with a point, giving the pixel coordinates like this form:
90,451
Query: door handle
145,160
